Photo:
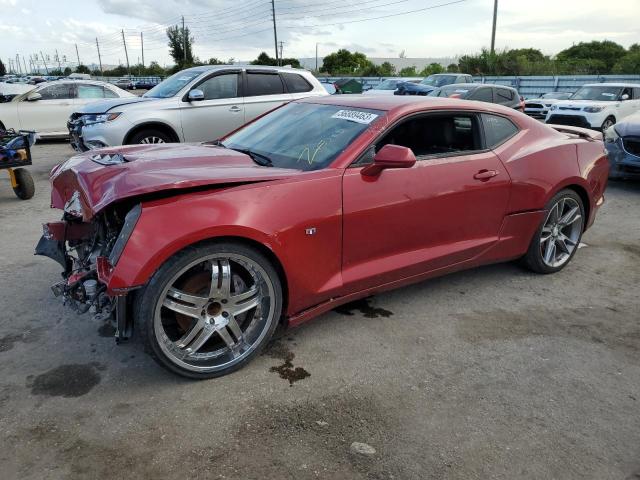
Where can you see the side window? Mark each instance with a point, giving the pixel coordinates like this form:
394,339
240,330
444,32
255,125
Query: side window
497,130
482,94
436,135
263,84
90,91
296,83
62,91
110,93
503,95
627,91
220,86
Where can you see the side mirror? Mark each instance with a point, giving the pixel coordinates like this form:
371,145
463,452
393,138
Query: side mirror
32,97
390,156
625,96
195,95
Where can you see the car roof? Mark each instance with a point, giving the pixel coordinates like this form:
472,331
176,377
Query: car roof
210,68
405,104
612,84
467,85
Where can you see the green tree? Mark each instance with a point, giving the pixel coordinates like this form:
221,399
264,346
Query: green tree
387,69
594,54
629,64
215,61
82,69
452,68
3,69
343,62
265,59
431,69
66,72
408,72
179,38
154,69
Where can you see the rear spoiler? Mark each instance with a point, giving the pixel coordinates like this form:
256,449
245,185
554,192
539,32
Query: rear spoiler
590,135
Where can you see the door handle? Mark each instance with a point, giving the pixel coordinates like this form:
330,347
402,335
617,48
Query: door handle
235,109
485,174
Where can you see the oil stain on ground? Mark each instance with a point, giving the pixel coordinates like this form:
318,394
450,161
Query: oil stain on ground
364,307
8,341
73,380
286,371
107,330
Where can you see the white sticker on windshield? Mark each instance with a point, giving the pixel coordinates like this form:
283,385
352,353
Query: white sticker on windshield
355,116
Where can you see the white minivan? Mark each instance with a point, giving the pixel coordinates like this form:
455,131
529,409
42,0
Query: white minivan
597,106
194,105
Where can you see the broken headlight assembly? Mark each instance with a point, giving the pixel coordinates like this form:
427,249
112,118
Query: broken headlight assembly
94,118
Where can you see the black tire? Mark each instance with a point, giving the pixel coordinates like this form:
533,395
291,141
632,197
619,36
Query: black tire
147,300
25,189
534,258
608,122
144,136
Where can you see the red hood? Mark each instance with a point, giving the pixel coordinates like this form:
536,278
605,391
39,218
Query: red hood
152,168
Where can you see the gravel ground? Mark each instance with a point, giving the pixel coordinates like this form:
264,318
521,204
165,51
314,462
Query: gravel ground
492,373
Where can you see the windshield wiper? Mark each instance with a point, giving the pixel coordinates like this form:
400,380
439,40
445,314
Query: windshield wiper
259,158
217,143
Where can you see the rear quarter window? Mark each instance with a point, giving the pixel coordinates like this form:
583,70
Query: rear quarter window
264,84
497,130
504,95
296,83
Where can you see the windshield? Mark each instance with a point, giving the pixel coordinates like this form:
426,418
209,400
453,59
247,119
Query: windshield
438,80
303,136
556,96
387,85
172,85
600,93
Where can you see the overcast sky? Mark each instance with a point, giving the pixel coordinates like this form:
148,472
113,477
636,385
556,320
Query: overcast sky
242,29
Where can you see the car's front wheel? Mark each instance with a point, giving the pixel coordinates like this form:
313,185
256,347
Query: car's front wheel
557,238
608,123
210,309
149,136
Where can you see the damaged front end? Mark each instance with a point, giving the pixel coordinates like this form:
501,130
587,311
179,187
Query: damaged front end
87,252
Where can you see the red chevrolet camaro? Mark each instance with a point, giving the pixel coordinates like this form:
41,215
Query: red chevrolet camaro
208,247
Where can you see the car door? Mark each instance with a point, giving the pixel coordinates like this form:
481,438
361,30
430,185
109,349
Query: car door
50,113
264,91
220,112
630,106
446,209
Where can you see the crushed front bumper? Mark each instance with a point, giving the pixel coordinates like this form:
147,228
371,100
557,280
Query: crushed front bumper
624,164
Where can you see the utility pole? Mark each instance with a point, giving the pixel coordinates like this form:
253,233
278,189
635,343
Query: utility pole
142,47
78,55
45,63
281,46
58,60
493,31
184,40
125,53
25,64
99,57
316,57
275,30
18,62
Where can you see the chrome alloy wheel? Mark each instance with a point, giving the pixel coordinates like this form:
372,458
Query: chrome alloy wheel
214,312
152,139
561,232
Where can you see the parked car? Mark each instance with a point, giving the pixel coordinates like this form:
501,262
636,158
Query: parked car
482,92
144,84
432,82
388,86
329,87
622,141
194,105
318,203
124,83
539,107
47,107
597,106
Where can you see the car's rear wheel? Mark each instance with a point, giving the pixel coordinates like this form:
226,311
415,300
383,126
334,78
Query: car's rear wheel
608,123
150,136
210,309
557,238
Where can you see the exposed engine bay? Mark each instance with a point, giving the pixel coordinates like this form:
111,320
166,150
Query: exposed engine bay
87,251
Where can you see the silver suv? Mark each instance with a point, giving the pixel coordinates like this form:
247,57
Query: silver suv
194,105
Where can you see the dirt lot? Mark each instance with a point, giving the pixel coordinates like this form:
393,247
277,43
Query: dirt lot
492,373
